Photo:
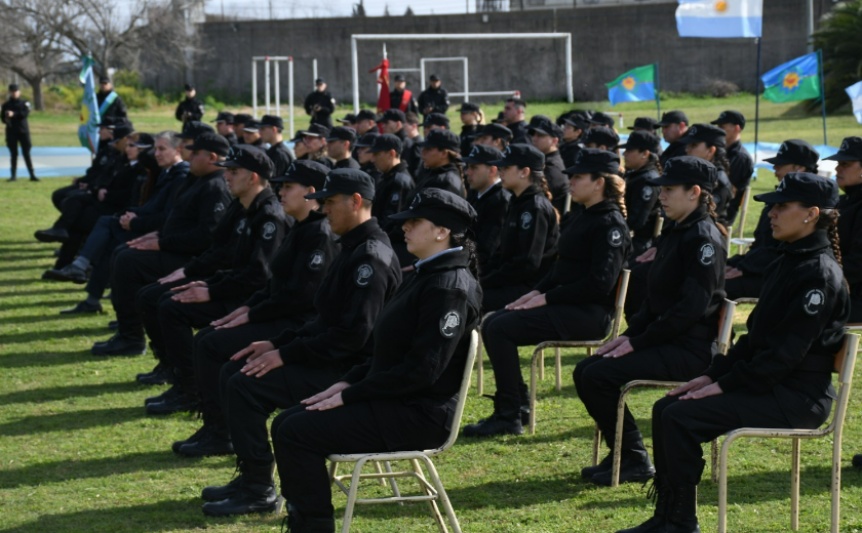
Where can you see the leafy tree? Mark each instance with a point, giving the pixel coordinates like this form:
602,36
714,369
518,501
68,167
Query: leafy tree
839,39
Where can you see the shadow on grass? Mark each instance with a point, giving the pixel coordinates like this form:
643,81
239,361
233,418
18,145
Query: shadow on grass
56,289
53,394
30,336
71,421
42,360
35,319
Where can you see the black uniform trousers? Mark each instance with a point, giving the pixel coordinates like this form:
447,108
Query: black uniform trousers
132,270
504,331
598,381
303,439
745,286
499,297
12,141
106,236
62,193
855,310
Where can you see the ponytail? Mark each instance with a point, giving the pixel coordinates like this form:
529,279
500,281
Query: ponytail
707,201
828,220
537,177
615,190
467,241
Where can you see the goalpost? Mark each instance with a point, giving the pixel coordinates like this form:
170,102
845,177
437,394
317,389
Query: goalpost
355,38
272,79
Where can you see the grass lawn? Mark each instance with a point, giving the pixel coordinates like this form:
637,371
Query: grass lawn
78,454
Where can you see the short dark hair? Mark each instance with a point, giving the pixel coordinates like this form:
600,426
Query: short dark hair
519,102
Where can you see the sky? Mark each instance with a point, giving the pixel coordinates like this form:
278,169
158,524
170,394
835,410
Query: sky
332,8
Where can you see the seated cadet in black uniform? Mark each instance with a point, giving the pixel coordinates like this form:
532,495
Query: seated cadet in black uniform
251,133
673,126
403,397
365,158
574,301
494,135
641,155
287,302
472,120
339,145
220,279
488,198
744,275
574,126
708,143
313,142
545,135
103,161
270,130
395,184
514,112
602,138
647,124
671,337
741,163
297,363
528,243
224,127
848,176
190,108
779,374
198,204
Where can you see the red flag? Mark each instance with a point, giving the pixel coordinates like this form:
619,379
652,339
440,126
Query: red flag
383,79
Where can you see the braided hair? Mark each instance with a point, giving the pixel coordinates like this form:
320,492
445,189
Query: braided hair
615,189
537,178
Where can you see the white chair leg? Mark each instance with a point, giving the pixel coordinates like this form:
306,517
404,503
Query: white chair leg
435,510
597,442
392,483
542,365
480,368
533,370
558,362
442,496
722,488
794,486
713,455
618,440
836,478
351,494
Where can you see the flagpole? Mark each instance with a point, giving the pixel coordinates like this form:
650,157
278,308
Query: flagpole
657,89
757,99
822,92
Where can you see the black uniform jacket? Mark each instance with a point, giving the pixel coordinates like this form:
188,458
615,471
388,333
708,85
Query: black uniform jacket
569,152
348,162
120,187
794,331
391,195
528,244
104,162
685,286
741,170
722,195
468,135
116,110
674,149
281,157
434,101
324,104
197,207
152,214
491,210
558,183
763,251
300,264
421,341
16,124
360,281
642,207
189,109
850,234
519,132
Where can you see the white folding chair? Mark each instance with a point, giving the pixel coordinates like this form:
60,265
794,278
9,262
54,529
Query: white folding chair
480,363
433,490
845,362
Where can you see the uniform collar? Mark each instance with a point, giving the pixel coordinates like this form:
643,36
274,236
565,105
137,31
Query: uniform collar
696,216
264,196
400,167
359,234
498,184
446,260
602,207
853,191
816,241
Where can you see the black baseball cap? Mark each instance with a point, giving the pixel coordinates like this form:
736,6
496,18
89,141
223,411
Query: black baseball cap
602,119
224,116
730,117
795,152
672,117
316,130
805,187
341,133
496,131
434,77
576,119
305,172
851,150
642,140
349,118
366,114
188,87
482,155
13,87
544,126
592,160
104,79
386,142
367,139
435,119
442,139
345,181
252,126
645,123
603,136
399,77
122,130
469,107
687,170
395,115
242,118
442,208
145,140
521,156
211,142
318,81
250,158
711,135
193,128
272,120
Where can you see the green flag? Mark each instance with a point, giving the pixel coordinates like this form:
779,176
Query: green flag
795,80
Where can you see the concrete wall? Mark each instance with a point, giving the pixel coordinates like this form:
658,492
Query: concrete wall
606,40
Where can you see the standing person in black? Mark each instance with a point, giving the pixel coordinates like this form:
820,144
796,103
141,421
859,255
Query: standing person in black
434,99
319,104
848,176
513,118
400,97
14,114
339,146
471,120
671,337
395,182
673,125
575,299
741,163
642,165
297,363
777,375
270,130
708,143
546,136
404,396
111,106
744,275
488,198
528,244
190,108
287,302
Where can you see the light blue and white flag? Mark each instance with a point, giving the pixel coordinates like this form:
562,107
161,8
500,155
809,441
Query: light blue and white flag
855,94
719,18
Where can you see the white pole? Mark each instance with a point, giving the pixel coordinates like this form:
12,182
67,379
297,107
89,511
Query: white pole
809,15
314,73
254,87
466,80
570,92
354,59
266,80
290,94
277,89
422,73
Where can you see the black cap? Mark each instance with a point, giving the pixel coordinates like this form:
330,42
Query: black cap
104,79
711,135
250,158
224,116
318,81
687,170
576,119
193,128
521,156
483,155
13,87
642,140
810,189
590,160
252,126
395,115
851,150
442,208
673,117
435,119
122,130
496,131
316,130
442,139
366,114
434,77
272,120
469,107
386,142
349,118
211,142
602,119
341,133
305,172
730,117
145,140
795,152
399,77
645,123
242,118
188,87
345,181
367,139
544,126
603,136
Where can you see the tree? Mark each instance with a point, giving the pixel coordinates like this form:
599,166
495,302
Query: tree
359,9
409,12
838,38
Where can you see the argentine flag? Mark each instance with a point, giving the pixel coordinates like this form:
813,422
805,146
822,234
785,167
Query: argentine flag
719,18
855,94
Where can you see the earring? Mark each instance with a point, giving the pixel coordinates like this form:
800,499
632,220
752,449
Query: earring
691,197
438,239
805,221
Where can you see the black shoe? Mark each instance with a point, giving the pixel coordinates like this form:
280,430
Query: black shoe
183,401
13,178
113,325
52,235
169,394
857,460
210,443
120,345
606,464
295,522
83,308
69,272
218,493
495,425
636,467
250,498
158,376
34,178
653,525
196,436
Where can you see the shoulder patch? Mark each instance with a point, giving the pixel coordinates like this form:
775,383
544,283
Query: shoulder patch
315,262
615,237
449,324
362,276
268,231
394,198
240,226
706,255
218,207
526,220
813,302
646,194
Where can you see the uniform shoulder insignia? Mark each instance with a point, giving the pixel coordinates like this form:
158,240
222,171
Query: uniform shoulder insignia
315,262
526,220
268,231
813,301
394,198
706,255
449,324
218,208
615,237
240,226
362,276
646,194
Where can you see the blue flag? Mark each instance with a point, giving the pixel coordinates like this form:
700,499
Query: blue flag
798,79
855,94
88,131
636,85
719,18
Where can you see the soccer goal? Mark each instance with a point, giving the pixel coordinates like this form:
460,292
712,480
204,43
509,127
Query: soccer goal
272,85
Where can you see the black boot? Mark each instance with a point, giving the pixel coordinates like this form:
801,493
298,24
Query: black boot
172,392
120,344
183,400
661,494
159,375
505,420
606,464
214,440
296,522
634,466
70,272
217,493
84,308
256,494
52,235
682,517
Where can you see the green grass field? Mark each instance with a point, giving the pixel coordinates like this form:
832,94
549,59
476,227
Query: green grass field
78,454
